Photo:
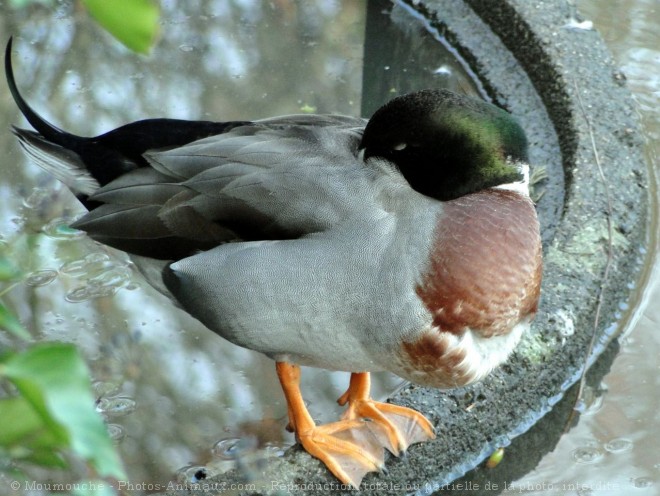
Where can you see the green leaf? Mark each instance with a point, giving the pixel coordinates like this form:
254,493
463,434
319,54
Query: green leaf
46,458
25,436
133,22
18,420
10,323
54,379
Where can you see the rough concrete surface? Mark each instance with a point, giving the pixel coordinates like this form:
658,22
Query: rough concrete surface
560,81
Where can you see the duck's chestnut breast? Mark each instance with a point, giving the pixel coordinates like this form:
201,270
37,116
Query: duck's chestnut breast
485,269
481,288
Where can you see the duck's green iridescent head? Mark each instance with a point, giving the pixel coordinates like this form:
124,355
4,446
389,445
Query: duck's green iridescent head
447,145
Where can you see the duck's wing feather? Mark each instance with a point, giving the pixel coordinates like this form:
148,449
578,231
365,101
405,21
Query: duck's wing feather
273,179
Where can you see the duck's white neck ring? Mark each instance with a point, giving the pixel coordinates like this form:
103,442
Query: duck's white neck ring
521,187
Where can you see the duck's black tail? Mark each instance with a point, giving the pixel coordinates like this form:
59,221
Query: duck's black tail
84,163
43,127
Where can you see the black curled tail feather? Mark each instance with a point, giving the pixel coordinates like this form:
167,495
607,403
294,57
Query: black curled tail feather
42,126
110,155
81,147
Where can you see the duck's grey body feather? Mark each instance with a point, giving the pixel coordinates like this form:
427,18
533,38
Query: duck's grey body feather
324,240
275,205
270,180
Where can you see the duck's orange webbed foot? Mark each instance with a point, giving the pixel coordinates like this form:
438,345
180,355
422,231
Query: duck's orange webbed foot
396,427
353,446
347,447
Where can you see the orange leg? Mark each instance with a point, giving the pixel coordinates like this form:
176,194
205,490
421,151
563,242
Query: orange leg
353,446
344,447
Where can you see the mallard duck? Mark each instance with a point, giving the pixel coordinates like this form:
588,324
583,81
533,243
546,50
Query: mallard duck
407,242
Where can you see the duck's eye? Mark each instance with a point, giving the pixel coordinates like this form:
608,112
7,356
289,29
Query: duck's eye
399,147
